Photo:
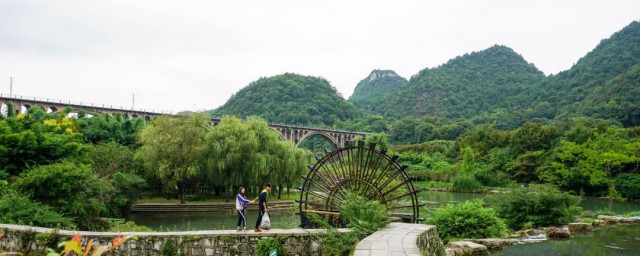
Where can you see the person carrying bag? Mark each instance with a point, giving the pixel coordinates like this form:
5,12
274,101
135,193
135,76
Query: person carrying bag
264,210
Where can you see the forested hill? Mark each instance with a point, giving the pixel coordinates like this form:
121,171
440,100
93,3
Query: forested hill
291,99
498,86
604,83
369,92
465,86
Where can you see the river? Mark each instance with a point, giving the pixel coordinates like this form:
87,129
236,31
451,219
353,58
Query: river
617,240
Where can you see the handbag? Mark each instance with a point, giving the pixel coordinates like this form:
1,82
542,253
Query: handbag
266,221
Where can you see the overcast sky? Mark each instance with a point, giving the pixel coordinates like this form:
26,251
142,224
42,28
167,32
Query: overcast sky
193,55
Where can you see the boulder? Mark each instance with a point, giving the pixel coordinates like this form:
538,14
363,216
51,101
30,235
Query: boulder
558,233
616,219
580,227
599,223
495,243
465,248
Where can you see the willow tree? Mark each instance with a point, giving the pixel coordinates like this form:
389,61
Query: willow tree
230,157
173,148
249,154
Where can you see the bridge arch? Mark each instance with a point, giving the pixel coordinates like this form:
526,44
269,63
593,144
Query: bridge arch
24,108
52,109
307,134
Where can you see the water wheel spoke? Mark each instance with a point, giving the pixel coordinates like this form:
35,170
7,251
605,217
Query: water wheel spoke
360,170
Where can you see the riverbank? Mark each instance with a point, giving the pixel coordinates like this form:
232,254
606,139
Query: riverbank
541,235
208,207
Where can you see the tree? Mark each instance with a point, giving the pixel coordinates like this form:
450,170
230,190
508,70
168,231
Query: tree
173,148
71,188
380,139
598,159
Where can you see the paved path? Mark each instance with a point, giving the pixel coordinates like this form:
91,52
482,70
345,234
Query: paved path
397,239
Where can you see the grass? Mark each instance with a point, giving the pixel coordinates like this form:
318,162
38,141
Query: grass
431,184
221,199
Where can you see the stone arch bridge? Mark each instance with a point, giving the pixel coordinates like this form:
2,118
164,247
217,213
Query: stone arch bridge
292,133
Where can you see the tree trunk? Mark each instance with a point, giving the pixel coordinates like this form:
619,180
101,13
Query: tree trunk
280,192
182,198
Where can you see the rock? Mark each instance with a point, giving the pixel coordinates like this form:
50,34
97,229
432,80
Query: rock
599,223
580,227
495,243
530,232
558,233
616,219
466,248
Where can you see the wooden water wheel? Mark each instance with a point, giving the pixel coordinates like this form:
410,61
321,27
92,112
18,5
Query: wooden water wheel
361,170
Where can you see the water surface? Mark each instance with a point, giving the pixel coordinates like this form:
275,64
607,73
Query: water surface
615,240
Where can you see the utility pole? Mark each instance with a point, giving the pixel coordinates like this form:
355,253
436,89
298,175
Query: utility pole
10,86
133,100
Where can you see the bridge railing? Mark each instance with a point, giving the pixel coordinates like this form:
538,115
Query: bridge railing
84,104
151,111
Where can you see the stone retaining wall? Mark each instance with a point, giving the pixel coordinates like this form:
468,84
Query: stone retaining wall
34,241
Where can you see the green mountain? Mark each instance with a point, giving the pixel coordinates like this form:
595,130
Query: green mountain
604,83
370,91
498,86
291,99
465,86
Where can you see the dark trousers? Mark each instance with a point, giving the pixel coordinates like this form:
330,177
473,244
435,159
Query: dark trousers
259,220
242,218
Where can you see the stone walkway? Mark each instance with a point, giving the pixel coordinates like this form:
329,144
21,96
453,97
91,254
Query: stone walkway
397,239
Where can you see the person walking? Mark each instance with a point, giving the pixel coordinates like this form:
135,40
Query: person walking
241,206
262,201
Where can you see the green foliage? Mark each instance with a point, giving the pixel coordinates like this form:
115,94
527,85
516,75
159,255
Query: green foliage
361,215
628,184
169,248
71,188
470,219
291,99
598,160
265,246
37,138
542,206
251,153
465,183
128,226
380,139
110,157
173,148
126,190
371,90
364,216
16,208
106,128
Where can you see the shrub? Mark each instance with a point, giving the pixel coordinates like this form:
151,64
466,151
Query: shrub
265,246
363,216
128,226
126,191
628,185
465,183
16,208
169,248
467,220
542,206
72,189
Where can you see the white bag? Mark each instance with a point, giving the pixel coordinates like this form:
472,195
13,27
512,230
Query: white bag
266,221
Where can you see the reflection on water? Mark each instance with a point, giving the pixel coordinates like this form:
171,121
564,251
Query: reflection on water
434,199
616,240
181,221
